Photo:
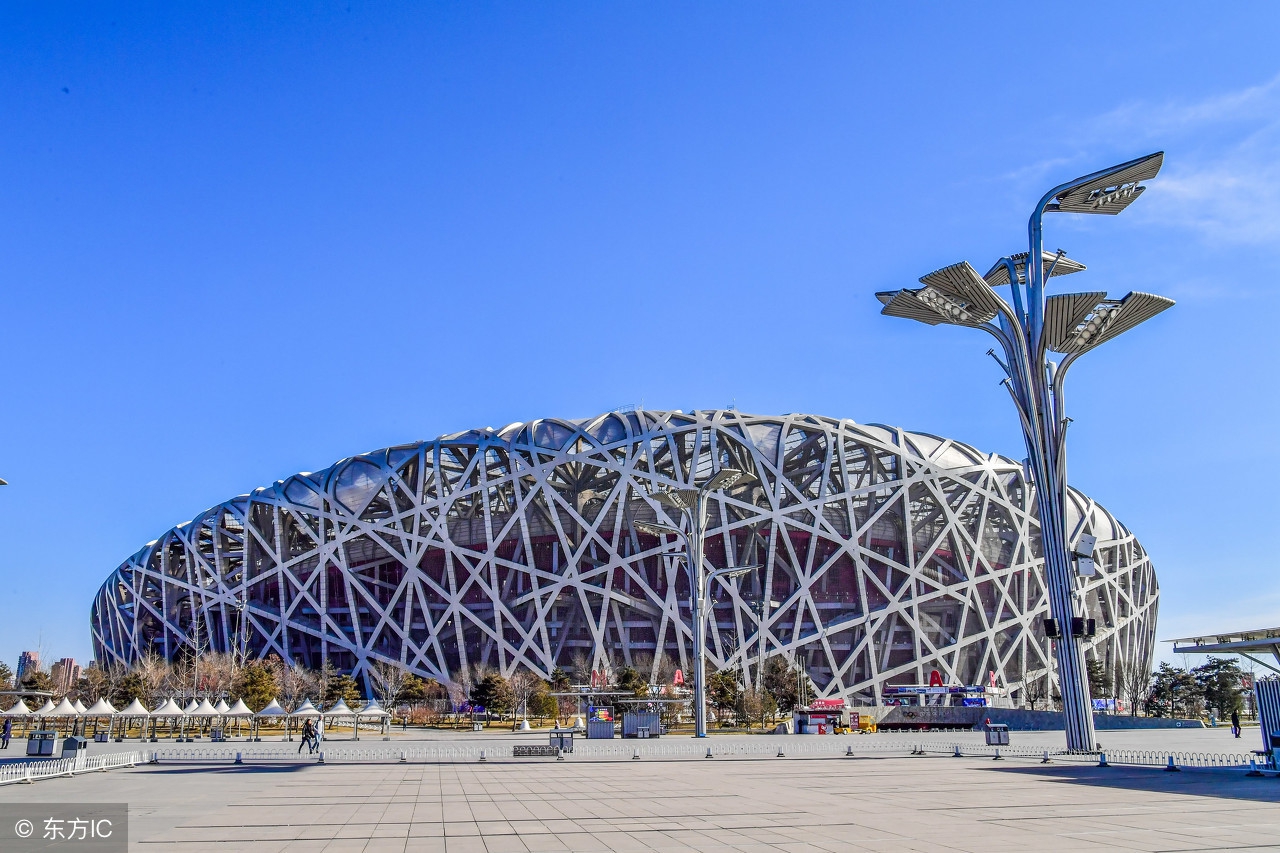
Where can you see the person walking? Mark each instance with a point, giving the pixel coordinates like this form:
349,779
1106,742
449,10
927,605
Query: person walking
308,736
6,734
1235,723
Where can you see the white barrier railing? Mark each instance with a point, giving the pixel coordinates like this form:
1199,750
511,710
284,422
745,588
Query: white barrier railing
32,771
762,747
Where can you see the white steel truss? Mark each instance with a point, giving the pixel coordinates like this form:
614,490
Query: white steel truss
885,554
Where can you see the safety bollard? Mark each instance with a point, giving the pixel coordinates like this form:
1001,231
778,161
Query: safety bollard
849,751
1046,760
1171,767
709,755
1102,760
957,752
403,760
997,758
483,756
239,759
26,774
559,754
781,754
155,758
322,757
635,755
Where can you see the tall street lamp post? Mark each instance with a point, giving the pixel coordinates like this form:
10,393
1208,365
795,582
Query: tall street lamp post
1028,331
692,504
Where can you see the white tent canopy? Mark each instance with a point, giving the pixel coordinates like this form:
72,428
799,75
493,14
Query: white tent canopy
135,709
64,709
306,709
191,707
222,707
340,709
79,706
273,709
168,709
45,710
372,709
101,708
238,710
204,709
18,710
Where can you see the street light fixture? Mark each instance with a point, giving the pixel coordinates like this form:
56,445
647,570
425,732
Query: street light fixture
1028,330
692,504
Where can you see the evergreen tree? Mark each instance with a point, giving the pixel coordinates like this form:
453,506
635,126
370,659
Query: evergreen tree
724,691
780,681
257,685
628,678
1099,678
132,686
493,693
1219,682
346,688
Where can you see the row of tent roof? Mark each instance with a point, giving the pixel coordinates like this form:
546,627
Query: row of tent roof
103,708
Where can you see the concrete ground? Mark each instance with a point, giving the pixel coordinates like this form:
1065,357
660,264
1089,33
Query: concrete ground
882,800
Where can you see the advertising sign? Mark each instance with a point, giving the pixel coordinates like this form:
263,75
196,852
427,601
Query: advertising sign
827,705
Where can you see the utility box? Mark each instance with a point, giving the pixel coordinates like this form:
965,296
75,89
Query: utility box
997,734
42,743
641,724
600,723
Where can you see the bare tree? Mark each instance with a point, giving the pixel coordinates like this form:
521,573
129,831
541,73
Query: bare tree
1133,683
155,673
389,680
298,683
523,685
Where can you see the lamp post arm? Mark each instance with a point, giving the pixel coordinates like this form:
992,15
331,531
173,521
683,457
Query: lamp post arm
1012,269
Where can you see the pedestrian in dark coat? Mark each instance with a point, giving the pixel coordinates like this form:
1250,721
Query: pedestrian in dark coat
6,734
308,738
1235,723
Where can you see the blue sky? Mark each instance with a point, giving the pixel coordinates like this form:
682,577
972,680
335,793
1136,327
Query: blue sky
241,242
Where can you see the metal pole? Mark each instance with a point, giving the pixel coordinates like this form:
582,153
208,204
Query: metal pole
1077,709
698,601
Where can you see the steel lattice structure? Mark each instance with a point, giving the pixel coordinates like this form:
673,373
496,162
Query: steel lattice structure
885,554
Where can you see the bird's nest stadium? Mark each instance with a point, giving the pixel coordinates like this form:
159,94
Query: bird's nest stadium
883,555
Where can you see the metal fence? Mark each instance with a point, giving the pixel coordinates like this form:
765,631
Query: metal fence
817,747
762,748
32,771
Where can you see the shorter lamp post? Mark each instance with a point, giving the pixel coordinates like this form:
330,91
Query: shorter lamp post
692,503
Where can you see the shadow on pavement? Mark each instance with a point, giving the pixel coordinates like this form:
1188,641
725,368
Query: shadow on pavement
1194,782
206,769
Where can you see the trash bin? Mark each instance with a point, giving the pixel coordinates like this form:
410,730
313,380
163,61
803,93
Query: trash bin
562,739
997,734
42,743
72,745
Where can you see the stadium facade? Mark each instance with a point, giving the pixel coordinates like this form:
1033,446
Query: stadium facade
885,554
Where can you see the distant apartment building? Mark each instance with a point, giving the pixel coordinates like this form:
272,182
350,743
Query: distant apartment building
27,662
64,674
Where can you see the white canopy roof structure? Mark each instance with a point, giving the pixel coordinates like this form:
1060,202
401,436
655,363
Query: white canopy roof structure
78,705
273,709
46,709
101,708
64,709
306,709
340,709
169,709
135,709
18,710
191,707
373,709
238,710
204,709
222,707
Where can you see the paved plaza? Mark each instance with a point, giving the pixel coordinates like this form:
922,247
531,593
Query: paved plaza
882,799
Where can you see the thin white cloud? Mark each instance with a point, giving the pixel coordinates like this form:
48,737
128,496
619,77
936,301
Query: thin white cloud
1221,178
